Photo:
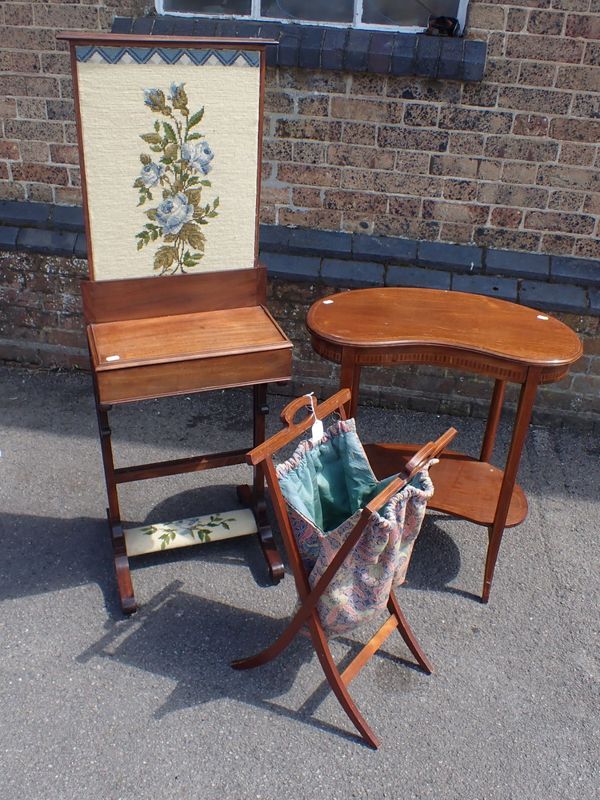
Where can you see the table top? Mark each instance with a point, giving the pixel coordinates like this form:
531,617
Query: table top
393,317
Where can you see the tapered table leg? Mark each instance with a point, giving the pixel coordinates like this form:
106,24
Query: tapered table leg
491,428
350,379
524,409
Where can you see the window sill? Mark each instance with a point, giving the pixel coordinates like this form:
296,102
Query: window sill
347,49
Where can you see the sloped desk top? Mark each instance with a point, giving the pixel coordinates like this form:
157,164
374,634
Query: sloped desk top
159,356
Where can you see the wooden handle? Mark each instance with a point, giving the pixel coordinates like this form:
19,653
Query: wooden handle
290,411
429,451
294,429
416,463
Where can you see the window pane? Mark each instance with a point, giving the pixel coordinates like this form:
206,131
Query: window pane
329,11
209,6
407,12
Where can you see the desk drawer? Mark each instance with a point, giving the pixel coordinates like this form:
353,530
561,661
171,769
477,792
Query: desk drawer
195,375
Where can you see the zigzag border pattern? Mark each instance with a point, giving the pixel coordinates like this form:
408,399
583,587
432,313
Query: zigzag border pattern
167,55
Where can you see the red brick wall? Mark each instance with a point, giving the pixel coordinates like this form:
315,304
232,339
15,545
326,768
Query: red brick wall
38,152
511,162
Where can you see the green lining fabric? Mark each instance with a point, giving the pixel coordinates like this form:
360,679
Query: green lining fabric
332,481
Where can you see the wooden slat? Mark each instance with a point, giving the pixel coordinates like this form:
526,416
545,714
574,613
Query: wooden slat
137,298
371,647
142,40
177,466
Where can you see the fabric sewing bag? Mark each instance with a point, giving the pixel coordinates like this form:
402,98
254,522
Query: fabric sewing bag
326,484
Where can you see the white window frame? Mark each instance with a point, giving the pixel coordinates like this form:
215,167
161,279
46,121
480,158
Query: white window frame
254,15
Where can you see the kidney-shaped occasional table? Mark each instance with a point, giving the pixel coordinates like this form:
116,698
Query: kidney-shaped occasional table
470,333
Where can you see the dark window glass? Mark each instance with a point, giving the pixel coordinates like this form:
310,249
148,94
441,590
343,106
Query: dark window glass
314,10
209,6
407,12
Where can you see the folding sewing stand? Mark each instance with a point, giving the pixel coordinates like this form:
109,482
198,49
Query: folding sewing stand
307,614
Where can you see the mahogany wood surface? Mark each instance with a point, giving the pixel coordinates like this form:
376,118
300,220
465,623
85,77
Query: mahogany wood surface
183,337
178,466
457,322
199,375
136,298
471,333
464,487
141,40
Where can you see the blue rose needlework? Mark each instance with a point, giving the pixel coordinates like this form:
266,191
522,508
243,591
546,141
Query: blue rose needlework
177,177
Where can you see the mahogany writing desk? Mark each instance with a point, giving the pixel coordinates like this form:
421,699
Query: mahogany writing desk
471,333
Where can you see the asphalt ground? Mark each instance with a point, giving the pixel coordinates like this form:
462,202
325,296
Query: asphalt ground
97,706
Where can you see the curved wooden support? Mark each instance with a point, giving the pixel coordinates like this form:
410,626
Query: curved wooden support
339,689
122,571
279,645
406,632
264,533
320,410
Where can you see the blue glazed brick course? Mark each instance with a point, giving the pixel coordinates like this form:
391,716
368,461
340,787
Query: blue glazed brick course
440,255
450,66
57,243
289,47
323,243
80,250
8,237
404,55
334,45
68,218
292,266
357,50
163,26
384,248
15,212
553,296
429,52
521,265
380,53
274,237
309,56
415,276
575,270
474,60
314,47
122,25
352,273
353,260
503,288
143,25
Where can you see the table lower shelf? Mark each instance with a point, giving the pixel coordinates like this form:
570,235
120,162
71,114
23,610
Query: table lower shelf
464,487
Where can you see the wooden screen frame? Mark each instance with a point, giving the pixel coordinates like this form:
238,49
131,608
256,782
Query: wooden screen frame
79,38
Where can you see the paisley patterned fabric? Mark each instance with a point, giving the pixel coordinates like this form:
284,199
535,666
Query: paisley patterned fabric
378,563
